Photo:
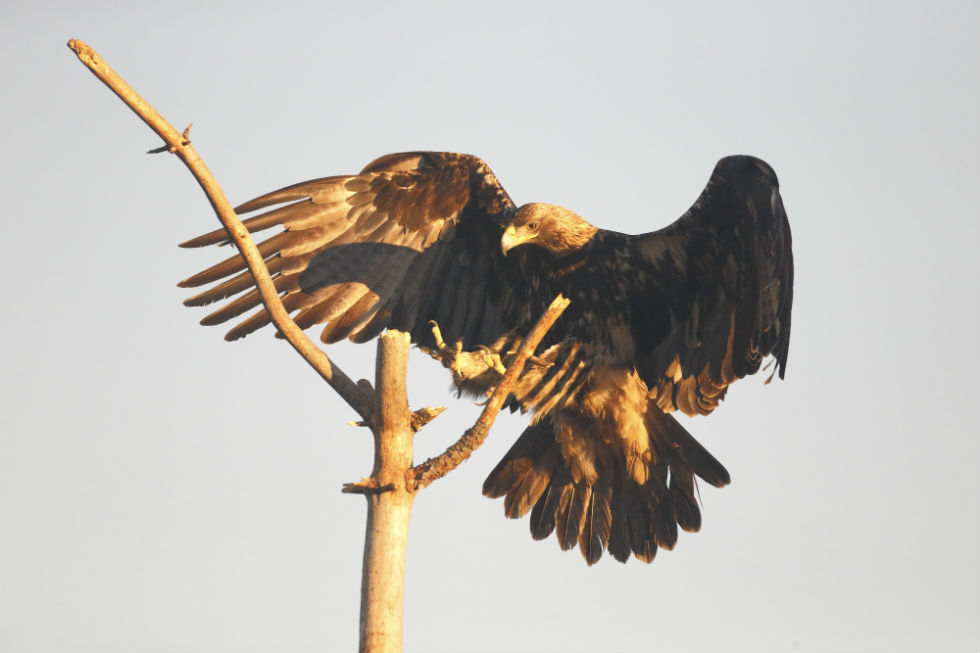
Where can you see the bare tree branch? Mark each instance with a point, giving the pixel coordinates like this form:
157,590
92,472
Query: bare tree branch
357,396
435,468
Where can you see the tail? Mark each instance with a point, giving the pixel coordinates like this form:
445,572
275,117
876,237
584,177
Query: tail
611,511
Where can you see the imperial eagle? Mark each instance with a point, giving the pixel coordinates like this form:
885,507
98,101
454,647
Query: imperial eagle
658,322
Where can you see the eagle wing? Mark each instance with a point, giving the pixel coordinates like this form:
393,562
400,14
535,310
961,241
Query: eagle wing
414,237
711,294
660,322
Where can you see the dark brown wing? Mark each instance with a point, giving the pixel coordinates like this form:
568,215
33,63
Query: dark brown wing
413,237
713,293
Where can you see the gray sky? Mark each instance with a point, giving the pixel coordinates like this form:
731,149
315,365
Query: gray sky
163,490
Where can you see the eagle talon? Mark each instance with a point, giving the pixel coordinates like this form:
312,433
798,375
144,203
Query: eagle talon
437,336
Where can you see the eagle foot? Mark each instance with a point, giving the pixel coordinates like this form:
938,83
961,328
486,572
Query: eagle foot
481,367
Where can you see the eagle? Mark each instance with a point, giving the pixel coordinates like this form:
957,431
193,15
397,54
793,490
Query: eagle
658,322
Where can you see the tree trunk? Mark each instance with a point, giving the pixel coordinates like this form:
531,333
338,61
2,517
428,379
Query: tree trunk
390,506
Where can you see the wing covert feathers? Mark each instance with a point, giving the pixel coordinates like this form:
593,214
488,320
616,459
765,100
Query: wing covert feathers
382,248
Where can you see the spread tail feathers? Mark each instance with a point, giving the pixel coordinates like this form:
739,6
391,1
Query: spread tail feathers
611,511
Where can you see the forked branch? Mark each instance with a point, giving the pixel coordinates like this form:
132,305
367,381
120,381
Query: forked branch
435,468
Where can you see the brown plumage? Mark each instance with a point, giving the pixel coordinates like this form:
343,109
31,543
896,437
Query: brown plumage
658,322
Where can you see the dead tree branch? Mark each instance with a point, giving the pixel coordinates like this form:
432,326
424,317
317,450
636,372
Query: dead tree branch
356,396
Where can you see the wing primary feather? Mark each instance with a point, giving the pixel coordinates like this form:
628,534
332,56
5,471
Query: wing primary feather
261,317
320,190
370,330
233,286
330,303
232,264
246,302
359,312
257,223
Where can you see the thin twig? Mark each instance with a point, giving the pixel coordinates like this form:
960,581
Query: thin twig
435,468
358,397
366,486
423,416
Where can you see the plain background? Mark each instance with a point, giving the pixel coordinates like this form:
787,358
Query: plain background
162,490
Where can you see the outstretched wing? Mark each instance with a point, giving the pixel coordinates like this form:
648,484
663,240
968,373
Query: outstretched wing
414,237
714,290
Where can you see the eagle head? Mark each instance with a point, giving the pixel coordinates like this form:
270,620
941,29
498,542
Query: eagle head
551,227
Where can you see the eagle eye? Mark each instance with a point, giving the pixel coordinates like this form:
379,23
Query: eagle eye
533,226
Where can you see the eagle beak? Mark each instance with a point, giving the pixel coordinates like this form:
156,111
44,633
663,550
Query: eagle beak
510,240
